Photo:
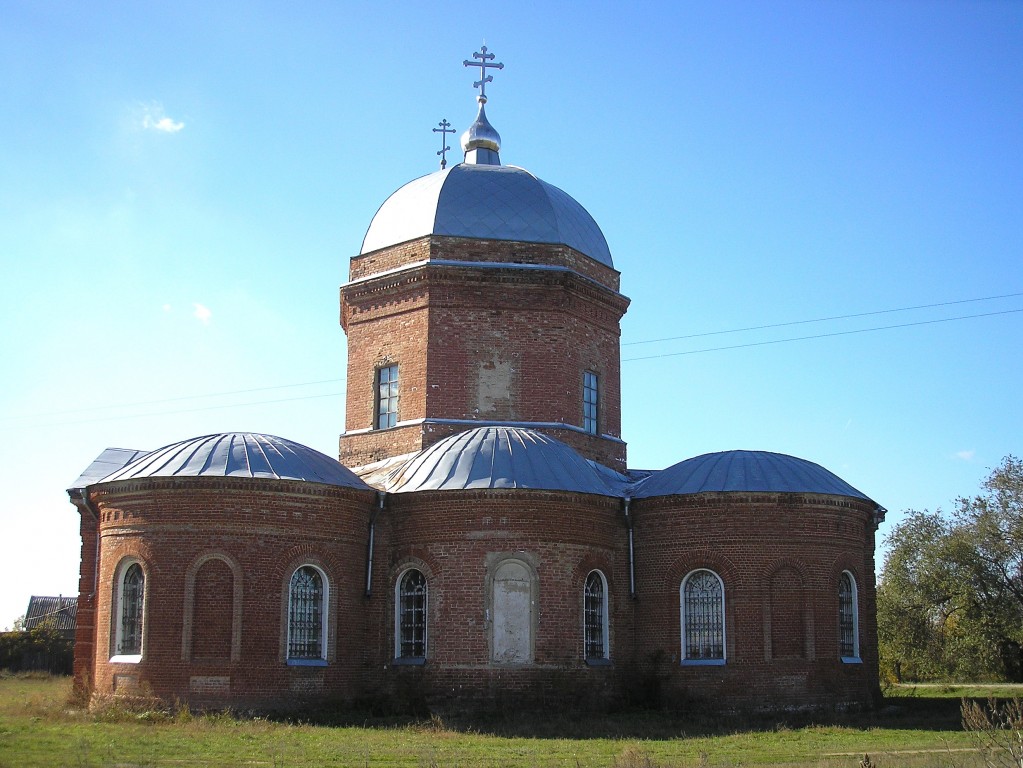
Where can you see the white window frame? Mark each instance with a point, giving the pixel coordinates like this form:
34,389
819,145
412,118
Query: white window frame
684,658
398,608
320,660
591,407
855,610
389,418
604,620
117,613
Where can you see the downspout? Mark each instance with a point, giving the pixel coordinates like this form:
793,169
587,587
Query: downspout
632,551
381,497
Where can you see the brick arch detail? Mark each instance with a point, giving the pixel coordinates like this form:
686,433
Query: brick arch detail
293,559
135,552
704,559
697,559
790,607
189,608
839,565
433,595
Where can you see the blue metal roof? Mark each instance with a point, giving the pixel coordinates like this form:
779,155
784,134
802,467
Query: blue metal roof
240,454
744,471
497,457
106,463
489,202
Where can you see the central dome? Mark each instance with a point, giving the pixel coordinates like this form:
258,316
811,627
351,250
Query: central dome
486,202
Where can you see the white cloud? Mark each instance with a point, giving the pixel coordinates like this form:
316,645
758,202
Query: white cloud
202,313
966,455
166,307
154,119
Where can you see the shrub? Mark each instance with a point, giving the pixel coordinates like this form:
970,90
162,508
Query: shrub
40,648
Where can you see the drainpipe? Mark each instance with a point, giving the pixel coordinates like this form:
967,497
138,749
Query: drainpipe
381,496
632,551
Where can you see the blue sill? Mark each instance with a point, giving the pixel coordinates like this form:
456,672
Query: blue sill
598,662
703,662
307,662
851,660
409,661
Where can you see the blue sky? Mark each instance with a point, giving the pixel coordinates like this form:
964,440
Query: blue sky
182,185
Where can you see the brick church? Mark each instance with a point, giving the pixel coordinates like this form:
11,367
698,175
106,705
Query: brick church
482,537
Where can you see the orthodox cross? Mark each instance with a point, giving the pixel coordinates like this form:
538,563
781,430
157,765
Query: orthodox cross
444,129
482,57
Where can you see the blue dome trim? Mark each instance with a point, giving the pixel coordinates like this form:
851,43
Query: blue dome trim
488,202
497,458
240,454
744,471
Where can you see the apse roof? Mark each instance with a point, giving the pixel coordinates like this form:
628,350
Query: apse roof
239,454
106,463
744,471
497,457
488,202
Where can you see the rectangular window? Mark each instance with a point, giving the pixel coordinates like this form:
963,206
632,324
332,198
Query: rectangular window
590,399
387,397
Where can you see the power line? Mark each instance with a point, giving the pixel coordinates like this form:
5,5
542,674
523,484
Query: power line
196,410
820,335
173,400
820,320
250,390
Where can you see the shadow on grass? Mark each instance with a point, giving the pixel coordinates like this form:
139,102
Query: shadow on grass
916,713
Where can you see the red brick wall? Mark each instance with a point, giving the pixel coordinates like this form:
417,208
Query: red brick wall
780,556
457,539
466,249
268,528
481,344
85,617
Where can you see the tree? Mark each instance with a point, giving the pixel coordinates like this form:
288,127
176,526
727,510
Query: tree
950,600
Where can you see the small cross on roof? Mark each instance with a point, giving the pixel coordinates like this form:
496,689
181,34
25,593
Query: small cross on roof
444,129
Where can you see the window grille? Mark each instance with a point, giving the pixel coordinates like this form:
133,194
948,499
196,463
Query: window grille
387,397
412,593
133,589
703,617
305,619
847,644
590,403
594,617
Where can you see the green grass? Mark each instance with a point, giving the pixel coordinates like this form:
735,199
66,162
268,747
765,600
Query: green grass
37,728
955,690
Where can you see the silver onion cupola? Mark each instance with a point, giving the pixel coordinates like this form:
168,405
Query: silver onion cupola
481,142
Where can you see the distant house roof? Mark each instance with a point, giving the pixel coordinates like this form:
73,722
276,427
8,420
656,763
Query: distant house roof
61,611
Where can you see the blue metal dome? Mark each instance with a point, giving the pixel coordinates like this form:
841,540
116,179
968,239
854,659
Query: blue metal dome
487,202
497,457
239,454
748,471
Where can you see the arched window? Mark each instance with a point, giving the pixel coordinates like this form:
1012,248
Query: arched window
131,600
307,619
595,646
848,619
410,606
703,618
